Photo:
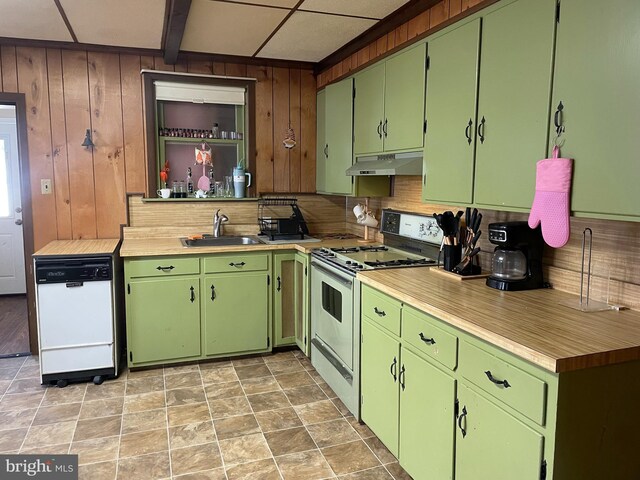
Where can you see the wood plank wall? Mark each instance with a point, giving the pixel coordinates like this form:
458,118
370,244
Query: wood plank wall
428,20
615,255
69,91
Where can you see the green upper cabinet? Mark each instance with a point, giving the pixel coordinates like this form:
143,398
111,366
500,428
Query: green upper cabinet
236,312
321,141
513,101
338,140
452,82
426,427
596,79
403,126
490,443
389,104
368,109
163,319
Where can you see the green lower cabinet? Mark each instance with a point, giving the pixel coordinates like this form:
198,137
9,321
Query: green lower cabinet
426,419
302,316
284,299
491,443
163,319
379,369
236,312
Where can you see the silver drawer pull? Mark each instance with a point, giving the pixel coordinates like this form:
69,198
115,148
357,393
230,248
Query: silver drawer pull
496,381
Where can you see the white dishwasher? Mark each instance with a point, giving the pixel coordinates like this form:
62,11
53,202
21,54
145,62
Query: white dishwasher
76,319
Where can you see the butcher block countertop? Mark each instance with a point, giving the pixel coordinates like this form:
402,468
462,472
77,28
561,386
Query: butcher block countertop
531,324
149,247
104,246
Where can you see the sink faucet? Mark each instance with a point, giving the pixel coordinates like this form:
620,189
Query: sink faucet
218,220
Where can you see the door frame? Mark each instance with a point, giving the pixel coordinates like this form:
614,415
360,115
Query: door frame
18,100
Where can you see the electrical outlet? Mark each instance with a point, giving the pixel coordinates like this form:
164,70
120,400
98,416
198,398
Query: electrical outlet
45,186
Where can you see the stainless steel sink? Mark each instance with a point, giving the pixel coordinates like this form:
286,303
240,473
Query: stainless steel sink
223,241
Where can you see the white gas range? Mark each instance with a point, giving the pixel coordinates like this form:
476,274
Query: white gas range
409,241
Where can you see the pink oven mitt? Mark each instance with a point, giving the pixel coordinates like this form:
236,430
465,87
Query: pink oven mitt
551,201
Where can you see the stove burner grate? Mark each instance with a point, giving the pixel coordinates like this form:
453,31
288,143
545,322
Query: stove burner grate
374,248
345,250
400,262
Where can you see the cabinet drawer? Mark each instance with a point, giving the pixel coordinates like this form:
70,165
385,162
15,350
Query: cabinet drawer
236,263
418,330
162,266
383,310
522,391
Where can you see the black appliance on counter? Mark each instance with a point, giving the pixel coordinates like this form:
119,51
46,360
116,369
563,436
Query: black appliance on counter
517,259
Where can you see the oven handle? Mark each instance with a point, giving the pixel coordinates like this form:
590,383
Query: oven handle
335,362
344,281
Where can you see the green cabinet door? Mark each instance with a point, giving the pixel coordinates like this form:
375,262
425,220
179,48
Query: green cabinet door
163,319
379,369
284,301
236,312
403,125
321,142
302,287
426,419
339,131
494,445
451,115
513,102
368,110
596,79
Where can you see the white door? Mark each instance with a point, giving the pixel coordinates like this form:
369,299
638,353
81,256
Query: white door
12,267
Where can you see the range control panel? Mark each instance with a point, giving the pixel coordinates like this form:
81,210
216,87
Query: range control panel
416,227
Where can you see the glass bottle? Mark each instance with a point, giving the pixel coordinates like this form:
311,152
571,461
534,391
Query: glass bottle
215,130
189,182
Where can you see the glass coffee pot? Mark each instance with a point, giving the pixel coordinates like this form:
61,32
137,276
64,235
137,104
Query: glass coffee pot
509,264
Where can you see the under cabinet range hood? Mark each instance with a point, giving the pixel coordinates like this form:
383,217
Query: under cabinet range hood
409,163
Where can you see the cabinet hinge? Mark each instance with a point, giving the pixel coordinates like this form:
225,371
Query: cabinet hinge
353,179
424,128
268,280
557,12
129,288
268,342
354,91
305,271
543,470
130,356
427,62
305,339
456,409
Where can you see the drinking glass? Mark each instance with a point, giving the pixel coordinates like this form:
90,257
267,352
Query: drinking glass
219,189
228,186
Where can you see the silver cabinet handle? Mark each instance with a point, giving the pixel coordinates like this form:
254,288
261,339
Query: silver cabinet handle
18,221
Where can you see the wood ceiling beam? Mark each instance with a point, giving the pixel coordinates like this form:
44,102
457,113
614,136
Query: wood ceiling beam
175,23
412,9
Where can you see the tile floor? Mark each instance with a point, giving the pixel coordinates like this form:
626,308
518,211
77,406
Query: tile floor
263,418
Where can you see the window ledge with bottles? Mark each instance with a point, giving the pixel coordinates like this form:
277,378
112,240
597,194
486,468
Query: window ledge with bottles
200,136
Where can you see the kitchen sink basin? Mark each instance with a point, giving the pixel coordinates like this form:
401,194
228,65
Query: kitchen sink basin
219,241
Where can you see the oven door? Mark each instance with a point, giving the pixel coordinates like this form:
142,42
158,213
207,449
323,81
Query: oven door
332,310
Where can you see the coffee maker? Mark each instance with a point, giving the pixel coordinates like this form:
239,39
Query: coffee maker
517,259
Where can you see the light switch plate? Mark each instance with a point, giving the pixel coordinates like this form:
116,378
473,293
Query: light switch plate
45,186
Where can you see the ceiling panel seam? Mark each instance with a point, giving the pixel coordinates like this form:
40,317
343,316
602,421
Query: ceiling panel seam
284,20
66,20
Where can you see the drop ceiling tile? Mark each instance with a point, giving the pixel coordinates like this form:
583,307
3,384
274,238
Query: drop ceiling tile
35,19
134,23
272,3
359,8
310,37
229,28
